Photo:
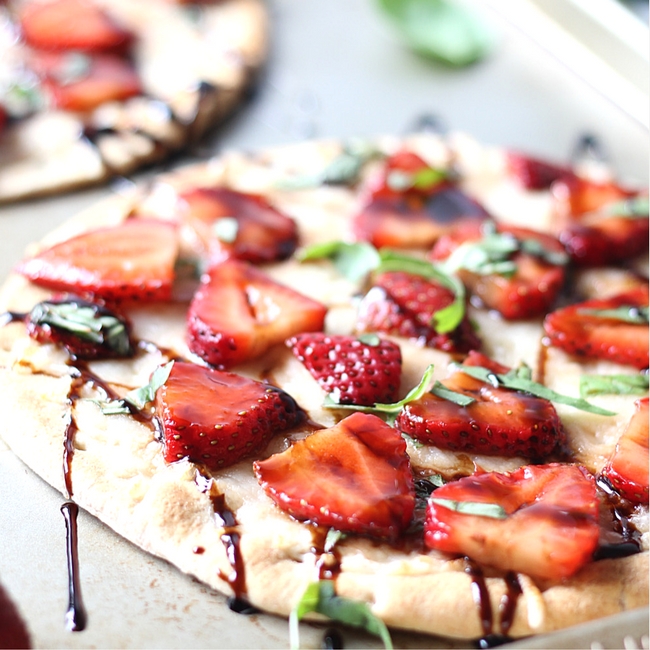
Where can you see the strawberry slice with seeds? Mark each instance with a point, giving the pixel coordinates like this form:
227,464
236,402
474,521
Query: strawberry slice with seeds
534,173
217,418
494,421
615,329
59,25
240,225
576,196
351,370
81,82
541,520
516,271
238,313
627,469
131,261
355,477
403,304
412,205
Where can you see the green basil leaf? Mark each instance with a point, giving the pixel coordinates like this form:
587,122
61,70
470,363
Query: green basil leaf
353,260
537,249
440,29
370,339
633,208
624,313
321,597
332,538
514,381
613,385
492,510
140,397
424,179
451,396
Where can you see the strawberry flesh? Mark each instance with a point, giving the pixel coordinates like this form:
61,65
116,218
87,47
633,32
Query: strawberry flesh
578,331
627,469
354,477
217,418
533,173
403,304
575,196
500,422
550,530
262,233
352,371
131,261
238,313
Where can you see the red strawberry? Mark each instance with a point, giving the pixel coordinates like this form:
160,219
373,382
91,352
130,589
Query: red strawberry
217,418
403,304
549,527
238,313
354,477
88,330
590,330
411,205
131,261
499,422
533,173
529,291
72,25
78,82
627,469
575,196
354,372
255,230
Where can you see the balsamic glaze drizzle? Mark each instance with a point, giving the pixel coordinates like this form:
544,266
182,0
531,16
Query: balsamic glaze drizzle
481,595
75,617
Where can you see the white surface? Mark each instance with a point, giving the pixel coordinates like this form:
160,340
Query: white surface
338,70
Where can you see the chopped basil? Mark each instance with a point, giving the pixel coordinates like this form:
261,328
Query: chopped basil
86,321
613,385
321,597
632,208
226,229
517,380
451,396
624,313
74,67
370,339
446,31
492,510
24,98
332,539
423,179
352,260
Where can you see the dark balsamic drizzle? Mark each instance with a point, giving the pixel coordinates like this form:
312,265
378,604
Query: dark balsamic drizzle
508,604
75,617
332,640
12,317
328,562
480,595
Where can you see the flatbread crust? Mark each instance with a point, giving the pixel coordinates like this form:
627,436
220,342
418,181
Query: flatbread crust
194,72
118,474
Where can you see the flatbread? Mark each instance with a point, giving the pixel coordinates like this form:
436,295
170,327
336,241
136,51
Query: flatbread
118,474
196,64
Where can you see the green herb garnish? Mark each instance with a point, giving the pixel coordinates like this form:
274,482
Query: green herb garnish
423,179
492,510
613,385
450,395
632,208
352,260
321,597
624,313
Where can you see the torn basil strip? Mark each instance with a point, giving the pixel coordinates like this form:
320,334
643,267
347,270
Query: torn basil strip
624,313
424,179
516,380
632,208
352,260
613,385
450,395
320,597
492,510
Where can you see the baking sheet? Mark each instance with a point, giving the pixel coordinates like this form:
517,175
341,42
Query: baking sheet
336,70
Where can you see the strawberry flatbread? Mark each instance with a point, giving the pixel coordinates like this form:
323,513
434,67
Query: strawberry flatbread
90,89
256,371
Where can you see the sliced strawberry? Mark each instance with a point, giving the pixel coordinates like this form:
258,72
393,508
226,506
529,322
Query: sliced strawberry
238,313
88,330
604,329
403,304
217,418
627,469
239,225
533,173
499,422
131,261
72,25
354,372
80,82
575,196
526,291
354,477
548,529
411,205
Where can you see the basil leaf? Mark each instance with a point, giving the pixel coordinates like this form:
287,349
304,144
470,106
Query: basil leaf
515,381
140,397
226,229
440,29
492,510
613,385
451,396
424,179
370,339
353,260
633,208
332,539
321,597
537,249
624,313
